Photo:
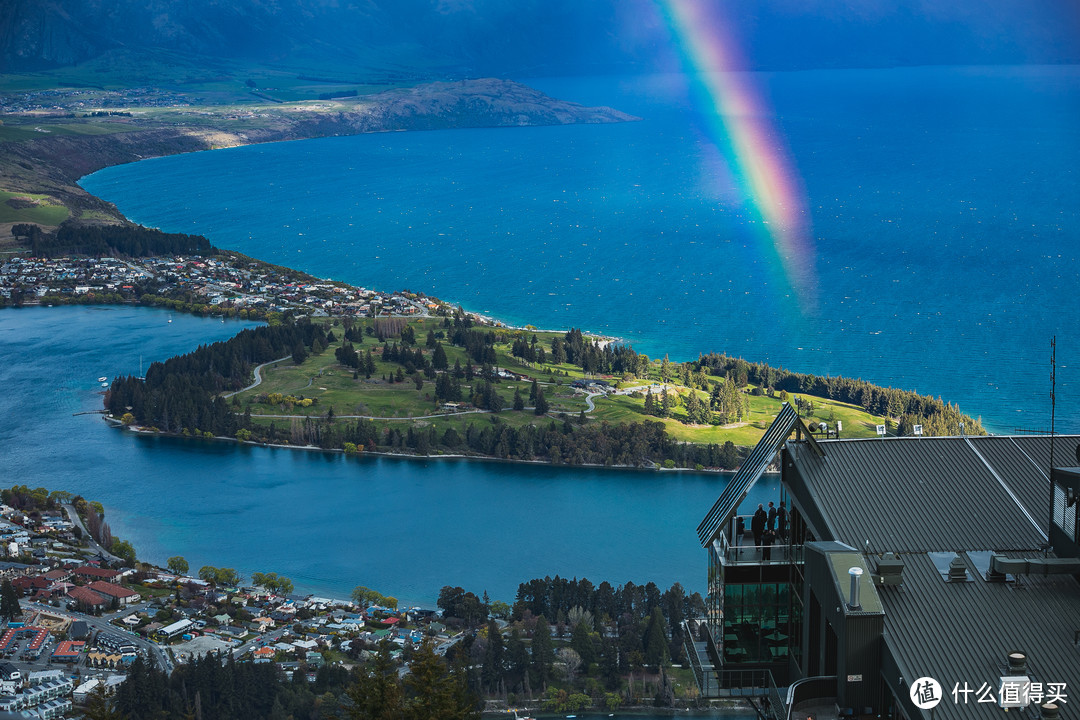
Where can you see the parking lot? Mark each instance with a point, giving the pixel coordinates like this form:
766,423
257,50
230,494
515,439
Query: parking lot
200,646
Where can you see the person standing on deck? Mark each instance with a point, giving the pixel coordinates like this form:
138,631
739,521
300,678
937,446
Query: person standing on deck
767,539
781,521
772,516
757,523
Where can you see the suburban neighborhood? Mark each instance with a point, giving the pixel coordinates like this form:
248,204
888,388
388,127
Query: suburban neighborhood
228,285
78,623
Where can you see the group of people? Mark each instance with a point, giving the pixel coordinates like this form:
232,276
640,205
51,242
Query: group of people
767,526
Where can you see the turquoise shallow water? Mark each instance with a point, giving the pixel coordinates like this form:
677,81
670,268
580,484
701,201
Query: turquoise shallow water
943,203
404,527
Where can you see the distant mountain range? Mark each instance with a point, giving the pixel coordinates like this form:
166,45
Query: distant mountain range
530,38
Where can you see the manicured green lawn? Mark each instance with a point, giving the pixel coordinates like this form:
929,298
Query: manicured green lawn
321,377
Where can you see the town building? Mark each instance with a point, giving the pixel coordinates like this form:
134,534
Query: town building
903,559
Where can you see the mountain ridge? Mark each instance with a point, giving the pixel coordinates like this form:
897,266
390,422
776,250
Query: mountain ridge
532,38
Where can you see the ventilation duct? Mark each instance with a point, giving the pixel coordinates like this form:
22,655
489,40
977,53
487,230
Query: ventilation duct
1001,565
853,602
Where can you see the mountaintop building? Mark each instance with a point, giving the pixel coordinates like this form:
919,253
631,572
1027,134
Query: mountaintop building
915,577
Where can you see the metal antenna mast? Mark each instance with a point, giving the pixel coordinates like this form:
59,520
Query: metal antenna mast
1053,409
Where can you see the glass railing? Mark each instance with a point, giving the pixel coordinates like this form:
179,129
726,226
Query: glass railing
756,554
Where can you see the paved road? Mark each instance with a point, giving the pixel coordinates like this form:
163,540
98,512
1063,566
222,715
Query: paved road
258,377
156,653
73,515
589,402
266,639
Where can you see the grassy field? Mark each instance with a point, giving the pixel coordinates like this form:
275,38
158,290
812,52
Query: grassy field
332,385
44,211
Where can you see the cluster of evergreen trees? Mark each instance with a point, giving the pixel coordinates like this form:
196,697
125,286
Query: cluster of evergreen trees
606,633
937,417
597,358
106,240
479,344
212,689
632,444
182,392
347,356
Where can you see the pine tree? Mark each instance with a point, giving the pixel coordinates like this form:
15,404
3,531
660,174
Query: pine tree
655,640
492,671
541,403
377,695
543,653
9,601
438,358
581,640
432,690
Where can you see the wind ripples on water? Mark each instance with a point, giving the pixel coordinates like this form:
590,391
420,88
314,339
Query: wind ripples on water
406,527
942,203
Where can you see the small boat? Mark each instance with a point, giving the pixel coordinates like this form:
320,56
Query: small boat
102,379
105,384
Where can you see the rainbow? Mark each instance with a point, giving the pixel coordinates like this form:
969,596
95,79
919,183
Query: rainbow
739,124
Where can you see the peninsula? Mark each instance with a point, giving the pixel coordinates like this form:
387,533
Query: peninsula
350,369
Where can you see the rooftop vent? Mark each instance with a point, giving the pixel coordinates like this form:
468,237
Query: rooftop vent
1049,711
855,573
957,570
1017,663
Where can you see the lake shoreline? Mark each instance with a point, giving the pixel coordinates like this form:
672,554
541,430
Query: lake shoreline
146,432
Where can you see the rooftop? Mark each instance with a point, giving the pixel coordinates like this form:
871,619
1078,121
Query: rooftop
936,503
932,494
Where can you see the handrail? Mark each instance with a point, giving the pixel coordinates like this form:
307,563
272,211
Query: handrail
820,686
752,468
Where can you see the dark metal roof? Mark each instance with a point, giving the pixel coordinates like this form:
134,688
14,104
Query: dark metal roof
915,496
930,494
1027,461
963,632
748,474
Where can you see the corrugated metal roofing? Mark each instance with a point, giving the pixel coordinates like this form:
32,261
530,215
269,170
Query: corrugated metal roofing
929,494
963,632
1026,461
920,495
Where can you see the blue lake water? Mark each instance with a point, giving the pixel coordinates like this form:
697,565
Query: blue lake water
945,206
404,527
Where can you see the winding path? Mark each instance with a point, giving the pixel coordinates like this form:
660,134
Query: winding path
589,402
258,377
73,515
